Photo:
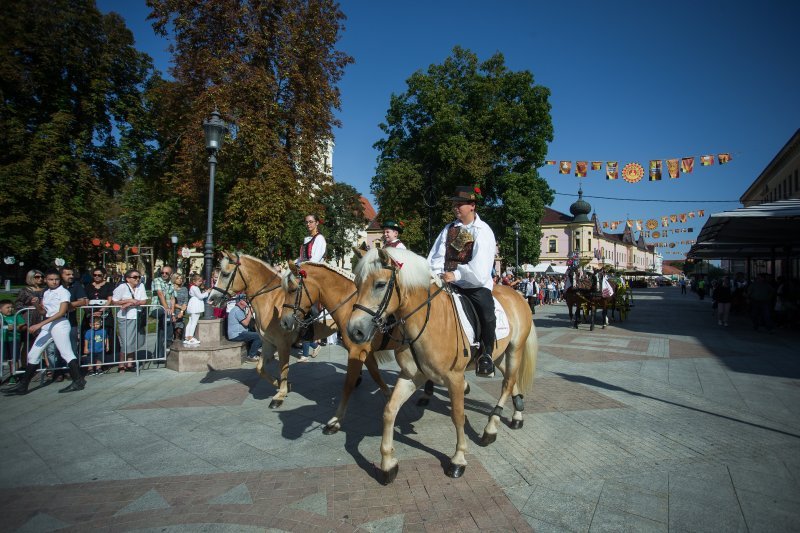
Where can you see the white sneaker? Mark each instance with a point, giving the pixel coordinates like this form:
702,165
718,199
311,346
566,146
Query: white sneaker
195,341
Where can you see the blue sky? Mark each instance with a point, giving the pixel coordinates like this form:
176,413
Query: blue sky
630,81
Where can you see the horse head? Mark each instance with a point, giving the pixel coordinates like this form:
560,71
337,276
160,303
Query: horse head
229,282
298,299
384,278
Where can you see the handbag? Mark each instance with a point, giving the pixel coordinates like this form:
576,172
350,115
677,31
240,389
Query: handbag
141,314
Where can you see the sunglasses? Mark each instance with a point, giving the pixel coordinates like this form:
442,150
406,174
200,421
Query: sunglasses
97,275
38,276
166,273
134,277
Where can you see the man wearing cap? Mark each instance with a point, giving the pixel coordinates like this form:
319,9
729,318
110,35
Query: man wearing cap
239,320
463,255
391,235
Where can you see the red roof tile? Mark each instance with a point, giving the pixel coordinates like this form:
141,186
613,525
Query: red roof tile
369,211
551,216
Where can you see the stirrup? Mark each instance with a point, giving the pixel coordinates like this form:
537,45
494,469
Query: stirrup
484,366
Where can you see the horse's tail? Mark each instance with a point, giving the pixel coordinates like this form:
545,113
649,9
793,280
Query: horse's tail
527,367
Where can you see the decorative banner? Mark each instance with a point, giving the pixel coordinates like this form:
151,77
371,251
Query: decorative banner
565,167
691,214
724,158
706,160
664,222
701,213
687,165
550,162
612,170
673,218
632,172
597,165
580,168
655,170
683,217
652,223
639,225
605,224
656,234
672,168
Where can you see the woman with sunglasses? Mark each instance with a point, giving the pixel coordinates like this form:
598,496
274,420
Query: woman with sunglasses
99,293
30,295
129,295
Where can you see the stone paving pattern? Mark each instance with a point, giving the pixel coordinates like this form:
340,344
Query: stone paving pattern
666,422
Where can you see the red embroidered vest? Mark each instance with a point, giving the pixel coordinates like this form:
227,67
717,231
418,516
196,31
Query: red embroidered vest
305,249
452,257
392,244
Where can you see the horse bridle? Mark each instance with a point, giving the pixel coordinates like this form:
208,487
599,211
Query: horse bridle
383,324
229,294
306,321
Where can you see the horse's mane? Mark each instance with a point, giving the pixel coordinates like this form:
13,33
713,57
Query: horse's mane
413,270
333,268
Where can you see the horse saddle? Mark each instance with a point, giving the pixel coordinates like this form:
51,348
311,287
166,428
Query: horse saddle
468,317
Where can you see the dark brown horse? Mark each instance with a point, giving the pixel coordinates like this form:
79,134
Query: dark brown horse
587,295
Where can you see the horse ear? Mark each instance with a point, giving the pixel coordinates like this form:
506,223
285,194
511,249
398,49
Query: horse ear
293,268
359,251
384,256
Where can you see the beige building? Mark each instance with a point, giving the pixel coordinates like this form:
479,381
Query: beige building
780,180
564,234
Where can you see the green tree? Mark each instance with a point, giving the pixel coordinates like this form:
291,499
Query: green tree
71,81
271,69
466,123
344,218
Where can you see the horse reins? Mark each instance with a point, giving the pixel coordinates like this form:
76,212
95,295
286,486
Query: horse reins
228,293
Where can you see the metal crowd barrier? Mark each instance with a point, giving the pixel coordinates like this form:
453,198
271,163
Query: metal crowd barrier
148,339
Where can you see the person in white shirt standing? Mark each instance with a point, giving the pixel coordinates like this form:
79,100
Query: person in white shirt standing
55,306
463,255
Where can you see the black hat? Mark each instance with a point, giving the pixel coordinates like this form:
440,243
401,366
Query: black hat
466,193
391,224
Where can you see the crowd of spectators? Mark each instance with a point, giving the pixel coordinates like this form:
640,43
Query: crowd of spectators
770,302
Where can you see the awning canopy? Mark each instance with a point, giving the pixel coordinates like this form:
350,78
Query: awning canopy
527,267
559,269
759,231
541,268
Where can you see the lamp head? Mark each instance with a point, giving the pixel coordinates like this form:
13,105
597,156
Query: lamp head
215,130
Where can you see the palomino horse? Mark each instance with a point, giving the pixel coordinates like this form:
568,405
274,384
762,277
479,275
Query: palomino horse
589,297
313,283
259,282
399,283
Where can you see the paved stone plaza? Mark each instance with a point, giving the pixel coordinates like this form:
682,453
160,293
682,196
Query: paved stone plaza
664,422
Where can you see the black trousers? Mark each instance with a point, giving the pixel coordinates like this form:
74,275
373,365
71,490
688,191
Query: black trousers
481,298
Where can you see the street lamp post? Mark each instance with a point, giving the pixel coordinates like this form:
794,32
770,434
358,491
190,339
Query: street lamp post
517,229
215,129
174,239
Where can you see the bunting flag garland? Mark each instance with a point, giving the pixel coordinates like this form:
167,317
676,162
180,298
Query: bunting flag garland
580,168
655,170
565,167
629,223
652,223
724,158
691,214
706,160
687,165
673,218
672,168
701,213
639,225
664,222
682,216
597,165
612,170
550,162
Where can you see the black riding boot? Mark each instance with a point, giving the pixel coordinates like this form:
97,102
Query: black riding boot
484,366
22,387
77,380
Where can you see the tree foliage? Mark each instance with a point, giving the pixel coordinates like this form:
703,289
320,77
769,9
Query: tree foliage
466,123
70,80
343,218
271,68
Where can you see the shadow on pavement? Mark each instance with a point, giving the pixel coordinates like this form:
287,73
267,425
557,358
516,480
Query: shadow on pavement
592,382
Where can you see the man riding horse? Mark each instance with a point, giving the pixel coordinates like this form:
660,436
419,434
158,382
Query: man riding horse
463,255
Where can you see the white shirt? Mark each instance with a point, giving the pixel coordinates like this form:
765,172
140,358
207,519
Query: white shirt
317,249
52,299
196,304
398,245
476,273
531,289
124,292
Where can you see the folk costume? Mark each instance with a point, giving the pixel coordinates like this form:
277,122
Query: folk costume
396,242
467,250
313,248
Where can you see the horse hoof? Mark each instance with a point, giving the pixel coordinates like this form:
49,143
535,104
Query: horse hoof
515,424
358,382
330,430
423,402
455,471
389,476
487,439
467,390
274,404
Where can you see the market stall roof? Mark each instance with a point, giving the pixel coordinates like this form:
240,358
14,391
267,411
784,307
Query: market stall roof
765,230
541,268
639,273
558,269
527,267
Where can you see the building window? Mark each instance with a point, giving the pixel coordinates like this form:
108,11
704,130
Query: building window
552,244
589,246
578,244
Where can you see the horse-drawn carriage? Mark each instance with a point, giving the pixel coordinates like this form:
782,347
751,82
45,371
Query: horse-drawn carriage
597,290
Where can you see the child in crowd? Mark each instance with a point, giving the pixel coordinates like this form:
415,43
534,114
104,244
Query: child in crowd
195,308
12,326
95,346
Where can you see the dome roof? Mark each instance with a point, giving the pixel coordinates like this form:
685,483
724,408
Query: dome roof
580,209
